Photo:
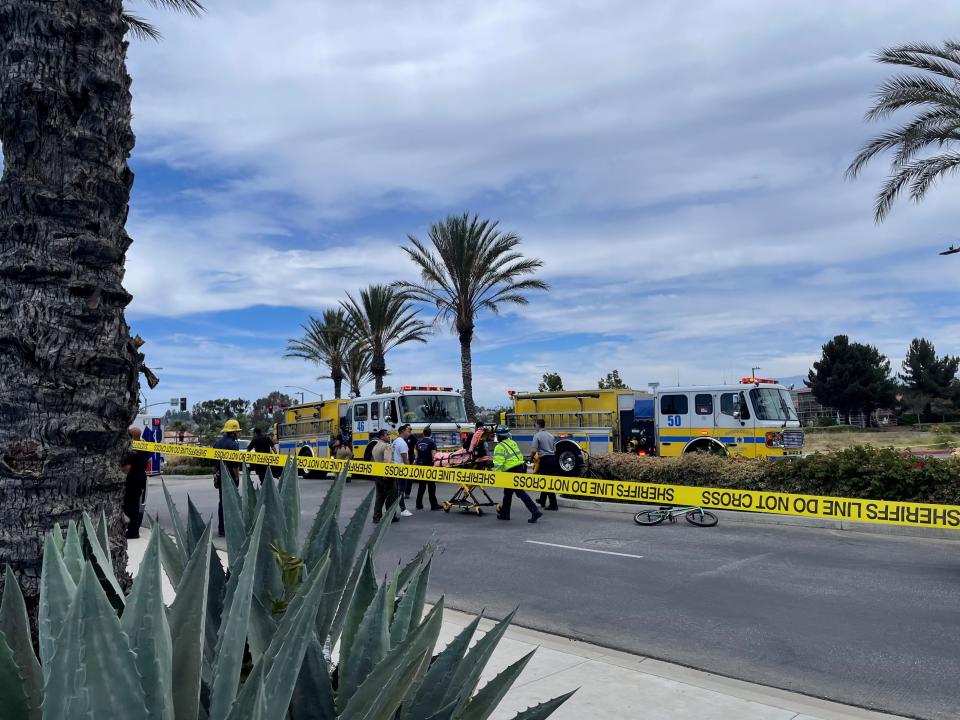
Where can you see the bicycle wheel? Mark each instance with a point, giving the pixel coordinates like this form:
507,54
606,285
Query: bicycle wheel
649,517
701,517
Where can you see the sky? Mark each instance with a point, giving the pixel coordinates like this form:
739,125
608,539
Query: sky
678,167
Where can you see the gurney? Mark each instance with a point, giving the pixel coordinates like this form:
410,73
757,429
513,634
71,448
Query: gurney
474,456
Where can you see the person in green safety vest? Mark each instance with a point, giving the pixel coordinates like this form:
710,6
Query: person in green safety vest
507,457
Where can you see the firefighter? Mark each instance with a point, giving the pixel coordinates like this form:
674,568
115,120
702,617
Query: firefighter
507,457
231,430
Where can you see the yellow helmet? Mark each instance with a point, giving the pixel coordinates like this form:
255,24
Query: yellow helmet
231,426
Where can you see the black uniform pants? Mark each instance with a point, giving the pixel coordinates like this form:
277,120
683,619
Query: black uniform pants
387,492
548,466
431,489
132,502
522,494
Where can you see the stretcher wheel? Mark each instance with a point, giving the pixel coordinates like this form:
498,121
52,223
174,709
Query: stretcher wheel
446,507
498,507
478,510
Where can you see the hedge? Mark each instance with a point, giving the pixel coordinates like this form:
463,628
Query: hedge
857,472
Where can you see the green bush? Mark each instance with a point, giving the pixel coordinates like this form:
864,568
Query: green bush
252,641
859,472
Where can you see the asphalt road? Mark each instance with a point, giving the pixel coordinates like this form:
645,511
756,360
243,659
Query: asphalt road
861,619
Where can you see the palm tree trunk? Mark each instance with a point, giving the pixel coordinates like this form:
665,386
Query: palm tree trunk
336,374
68,369
466,370
378,368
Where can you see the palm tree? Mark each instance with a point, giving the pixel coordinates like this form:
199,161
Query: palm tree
935,129
357,368
472,266
68,365
325,342
381,320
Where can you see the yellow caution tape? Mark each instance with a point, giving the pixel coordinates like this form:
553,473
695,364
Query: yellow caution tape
890,512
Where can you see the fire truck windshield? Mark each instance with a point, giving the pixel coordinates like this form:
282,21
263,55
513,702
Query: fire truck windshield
772,404
432,408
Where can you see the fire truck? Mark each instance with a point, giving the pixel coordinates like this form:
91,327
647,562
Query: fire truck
309,429
754,418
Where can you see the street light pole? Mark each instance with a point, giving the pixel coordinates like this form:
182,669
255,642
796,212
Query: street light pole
302,390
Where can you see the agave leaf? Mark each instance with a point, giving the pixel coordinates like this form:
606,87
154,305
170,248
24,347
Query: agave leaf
171,558
328,607
444,713
544,709
354,530
145,623
93,552
280,663
290,501
431,695
249,500
364,593
313,697
391,680
269,584
413,567
195,525
367,648
13,689
410,608
15,632
215,600
93,672
373,543
482,705
262,629
466,675
233,633
178,528
58,535
315,547
56,593
233,522
103,535
188,616
73,552
329,507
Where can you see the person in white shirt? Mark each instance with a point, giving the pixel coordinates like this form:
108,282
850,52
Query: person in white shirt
401,456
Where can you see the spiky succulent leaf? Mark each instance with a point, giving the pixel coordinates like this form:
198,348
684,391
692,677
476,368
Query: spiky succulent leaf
482,705
249,500
363,594
58,535
188,616
93,671
410,608
367,648
414,566
290,502
313,697
329,508
93,552
13,688
57,589
15,628
262,629
430,697
73,552
233,633
233,522
195,525
392,679
467,674
145,622
269,584
172,559
215,598
103,535
544,709
179,530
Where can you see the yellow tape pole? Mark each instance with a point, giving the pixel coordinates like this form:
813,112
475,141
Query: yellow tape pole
889,512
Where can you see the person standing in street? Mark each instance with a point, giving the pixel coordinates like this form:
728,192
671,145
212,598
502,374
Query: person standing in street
401,456
386,487
426,447
545,446
261,444
135,489
228,441
507,457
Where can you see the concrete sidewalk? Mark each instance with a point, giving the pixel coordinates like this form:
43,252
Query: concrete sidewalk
615,685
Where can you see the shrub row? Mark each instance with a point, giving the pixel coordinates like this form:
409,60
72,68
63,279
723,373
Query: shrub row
857,472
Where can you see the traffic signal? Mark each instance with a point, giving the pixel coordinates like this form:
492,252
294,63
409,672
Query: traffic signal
270,408
183,404
156,422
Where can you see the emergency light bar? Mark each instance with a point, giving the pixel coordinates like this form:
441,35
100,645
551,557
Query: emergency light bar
755,380
427,387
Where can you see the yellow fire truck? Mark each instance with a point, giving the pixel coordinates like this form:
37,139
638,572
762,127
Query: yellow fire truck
310,428
755,418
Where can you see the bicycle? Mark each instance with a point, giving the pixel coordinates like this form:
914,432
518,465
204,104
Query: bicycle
694,515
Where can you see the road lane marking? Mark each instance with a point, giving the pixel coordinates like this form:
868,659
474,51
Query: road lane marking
590,550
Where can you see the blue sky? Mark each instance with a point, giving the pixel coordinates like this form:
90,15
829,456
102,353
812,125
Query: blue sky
678,167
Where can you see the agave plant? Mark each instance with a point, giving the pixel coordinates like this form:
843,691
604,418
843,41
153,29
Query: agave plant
304,631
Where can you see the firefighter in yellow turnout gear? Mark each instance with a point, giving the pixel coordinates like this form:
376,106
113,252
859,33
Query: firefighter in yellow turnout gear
507,457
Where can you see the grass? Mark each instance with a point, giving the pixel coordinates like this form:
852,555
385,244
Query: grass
827,440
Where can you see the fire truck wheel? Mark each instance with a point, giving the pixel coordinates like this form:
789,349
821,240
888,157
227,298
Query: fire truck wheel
569,461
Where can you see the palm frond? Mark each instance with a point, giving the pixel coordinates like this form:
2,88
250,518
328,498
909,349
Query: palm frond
943,61
190,7
903,91
140,28
927,171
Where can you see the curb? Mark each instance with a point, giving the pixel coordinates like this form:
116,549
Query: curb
748,518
